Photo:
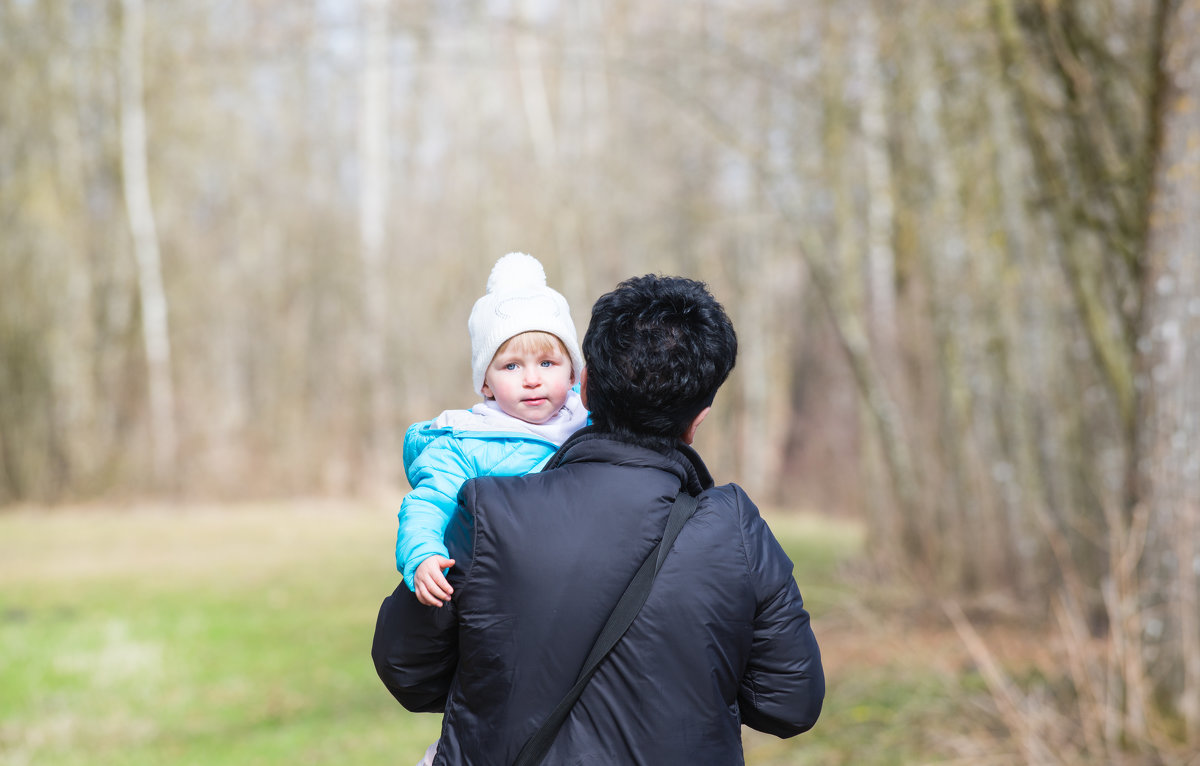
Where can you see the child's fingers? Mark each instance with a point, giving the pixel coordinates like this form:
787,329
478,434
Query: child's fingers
439,586
425,596
434,591
432,587
428,601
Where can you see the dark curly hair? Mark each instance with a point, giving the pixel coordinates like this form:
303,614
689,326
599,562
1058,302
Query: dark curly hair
656,351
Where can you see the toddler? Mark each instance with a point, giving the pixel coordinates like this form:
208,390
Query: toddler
525,362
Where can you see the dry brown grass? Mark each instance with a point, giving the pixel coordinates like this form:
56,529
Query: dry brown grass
187,540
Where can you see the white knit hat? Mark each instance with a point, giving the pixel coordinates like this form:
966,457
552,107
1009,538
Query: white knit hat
518,300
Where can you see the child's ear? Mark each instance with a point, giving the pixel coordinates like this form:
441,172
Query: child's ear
487,392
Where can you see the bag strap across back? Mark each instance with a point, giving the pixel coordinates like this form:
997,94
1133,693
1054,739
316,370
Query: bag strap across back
622,617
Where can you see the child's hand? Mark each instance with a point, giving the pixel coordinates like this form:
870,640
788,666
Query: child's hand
431,585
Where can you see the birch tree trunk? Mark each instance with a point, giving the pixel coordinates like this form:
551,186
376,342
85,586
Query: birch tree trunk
534,95
877,169
153,298
374,163
1169,442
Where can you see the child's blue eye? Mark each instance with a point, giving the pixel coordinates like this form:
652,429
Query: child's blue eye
510,366
547,363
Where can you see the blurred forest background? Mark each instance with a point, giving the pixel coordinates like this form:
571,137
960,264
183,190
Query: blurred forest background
960,242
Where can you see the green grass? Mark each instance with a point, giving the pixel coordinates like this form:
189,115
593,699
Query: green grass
818,546
236,636
241,635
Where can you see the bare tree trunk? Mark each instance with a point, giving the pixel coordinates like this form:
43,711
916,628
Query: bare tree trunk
1059,188
877,168
1020,366
155,330
1169,442
755,451
947,274
374,166
898,524
534,96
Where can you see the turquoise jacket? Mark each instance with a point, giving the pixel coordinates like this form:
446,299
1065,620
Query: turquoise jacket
440,455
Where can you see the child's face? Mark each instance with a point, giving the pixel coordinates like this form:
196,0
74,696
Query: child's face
529,383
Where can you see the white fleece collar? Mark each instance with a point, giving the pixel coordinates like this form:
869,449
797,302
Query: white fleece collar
487,416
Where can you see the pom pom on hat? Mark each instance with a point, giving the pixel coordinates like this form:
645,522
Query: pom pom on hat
516,271
518,300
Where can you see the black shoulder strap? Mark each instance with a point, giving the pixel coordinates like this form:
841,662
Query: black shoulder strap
619,621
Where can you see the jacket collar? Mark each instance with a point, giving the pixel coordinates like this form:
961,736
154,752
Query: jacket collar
486,418
590,444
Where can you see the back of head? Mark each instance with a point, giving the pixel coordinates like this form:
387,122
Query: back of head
656,349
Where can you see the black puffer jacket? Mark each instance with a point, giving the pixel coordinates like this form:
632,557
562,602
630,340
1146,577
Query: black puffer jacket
722,640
